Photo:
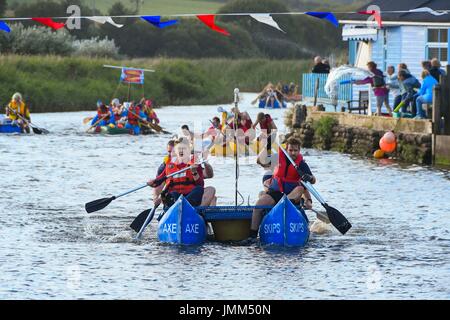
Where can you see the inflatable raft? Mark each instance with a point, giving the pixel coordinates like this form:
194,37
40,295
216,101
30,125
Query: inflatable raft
119,131
283,225
7,127
263,105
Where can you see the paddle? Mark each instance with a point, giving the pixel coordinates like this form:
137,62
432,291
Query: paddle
146,222
35,129
336,218
150,125
99,204
87,119
98,121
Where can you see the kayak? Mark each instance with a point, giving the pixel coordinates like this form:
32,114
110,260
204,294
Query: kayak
8,127
284,225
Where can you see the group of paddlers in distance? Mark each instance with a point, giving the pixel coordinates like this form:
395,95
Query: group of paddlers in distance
135,117
275,97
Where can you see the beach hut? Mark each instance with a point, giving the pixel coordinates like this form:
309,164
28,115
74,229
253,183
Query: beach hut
408,37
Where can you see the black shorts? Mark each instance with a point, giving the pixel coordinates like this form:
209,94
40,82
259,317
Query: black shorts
275,195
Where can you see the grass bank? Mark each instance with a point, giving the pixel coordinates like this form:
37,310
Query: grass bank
55,84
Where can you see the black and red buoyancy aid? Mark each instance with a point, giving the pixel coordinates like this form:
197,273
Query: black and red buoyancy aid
133,115
182,183
285,172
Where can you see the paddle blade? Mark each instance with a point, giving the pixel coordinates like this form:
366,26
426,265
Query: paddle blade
337,219
36,130
137,223
98,205
44,131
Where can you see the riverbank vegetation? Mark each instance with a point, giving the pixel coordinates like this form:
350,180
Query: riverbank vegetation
55,83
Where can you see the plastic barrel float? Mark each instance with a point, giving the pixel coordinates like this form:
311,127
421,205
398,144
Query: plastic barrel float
181,224
284,225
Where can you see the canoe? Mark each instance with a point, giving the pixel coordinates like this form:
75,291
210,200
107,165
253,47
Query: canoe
284,225
7,127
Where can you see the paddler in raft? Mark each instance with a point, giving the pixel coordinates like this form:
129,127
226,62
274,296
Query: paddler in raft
190,183
149,112
16,110
268,131
133,112
285,181
103,117
117,110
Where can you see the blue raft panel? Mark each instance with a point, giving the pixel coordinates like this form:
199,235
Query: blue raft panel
285,225
182,225
7,127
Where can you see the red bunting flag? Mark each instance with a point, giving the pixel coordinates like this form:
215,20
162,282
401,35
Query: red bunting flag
209,20
375,14
49,23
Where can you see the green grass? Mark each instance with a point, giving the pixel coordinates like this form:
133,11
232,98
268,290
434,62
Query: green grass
155,7
54,84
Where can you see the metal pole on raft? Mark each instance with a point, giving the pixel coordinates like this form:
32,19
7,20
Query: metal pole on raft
236,155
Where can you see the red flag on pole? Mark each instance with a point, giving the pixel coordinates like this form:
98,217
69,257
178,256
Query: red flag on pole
49,23
375,14
209,20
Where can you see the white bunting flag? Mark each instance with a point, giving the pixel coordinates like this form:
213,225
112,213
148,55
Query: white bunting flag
266,19
103,20
428,10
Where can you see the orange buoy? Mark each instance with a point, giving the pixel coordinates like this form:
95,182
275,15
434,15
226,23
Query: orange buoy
387,147
379,154
389,137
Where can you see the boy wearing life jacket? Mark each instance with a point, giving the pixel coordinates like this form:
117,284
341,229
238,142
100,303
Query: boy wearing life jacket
133,113
103,116
190,183
285,181
268,130
16,110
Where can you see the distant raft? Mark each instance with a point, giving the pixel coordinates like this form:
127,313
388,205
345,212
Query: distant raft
119,131
276,105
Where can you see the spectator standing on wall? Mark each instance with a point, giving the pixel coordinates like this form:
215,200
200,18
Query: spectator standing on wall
393,85
379,87
319,66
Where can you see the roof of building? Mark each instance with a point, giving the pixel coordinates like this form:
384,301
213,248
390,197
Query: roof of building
405,5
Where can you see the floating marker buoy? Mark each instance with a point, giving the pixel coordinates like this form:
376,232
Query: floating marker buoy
387,147
379,154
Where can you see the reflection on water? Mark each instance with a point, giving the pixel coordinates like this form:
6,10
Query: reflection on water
399,246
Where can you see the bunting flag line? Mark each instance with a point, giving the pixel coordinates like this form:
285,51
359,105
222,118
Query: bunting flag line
324,15
133,76
4,26
209,20
156,21
375,14
49,23
266,19
428,10
104,20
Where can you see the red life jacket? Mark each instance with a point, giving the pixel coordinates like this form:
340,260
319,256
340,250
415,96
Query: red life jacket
265,124
103,111
285,171
182,183
133,113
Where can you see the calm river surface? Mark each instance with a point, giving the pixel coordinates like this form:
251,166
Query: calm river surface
50,248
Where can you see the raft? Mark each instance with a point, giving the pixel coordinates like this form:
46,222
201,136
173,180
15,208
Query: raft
284,225
119,131
7,127
276,105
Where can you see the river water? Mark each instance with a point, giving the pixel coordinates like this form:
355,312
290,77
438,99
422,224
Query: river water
50,248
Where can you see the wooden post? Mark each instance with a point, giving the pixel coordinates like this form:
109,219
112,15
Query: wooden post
436,110
316,91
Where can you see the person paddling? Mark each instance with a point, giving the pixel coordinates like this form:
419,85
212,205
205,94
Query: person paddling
103,116
150,114
133,113
17,111
285,181
190,184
